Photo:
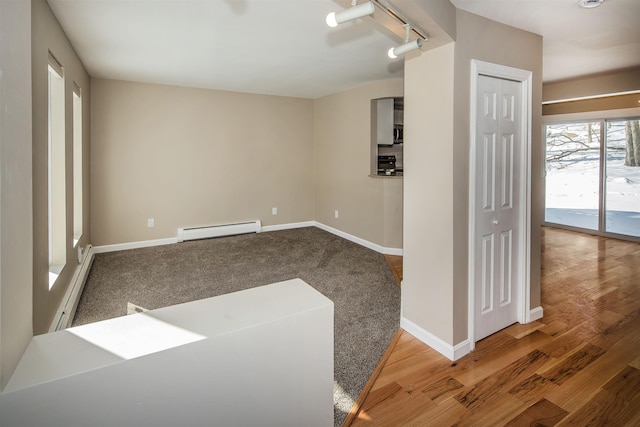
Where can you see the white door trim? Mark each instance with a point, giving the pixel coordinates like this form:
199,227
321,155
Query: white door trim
524,292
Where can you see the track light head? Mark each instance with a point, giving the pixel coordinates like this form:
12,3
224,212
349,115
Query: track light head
394,52
364,9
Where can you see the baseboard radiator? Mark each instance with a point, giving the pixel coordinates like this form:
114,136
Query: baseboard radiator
195,233
69,303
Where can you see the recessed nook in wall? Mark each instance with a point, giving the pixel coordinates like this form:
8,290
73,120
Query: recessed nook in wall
387,136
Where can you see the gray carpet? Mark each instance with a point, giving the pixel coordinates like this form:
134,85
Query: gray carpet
358,281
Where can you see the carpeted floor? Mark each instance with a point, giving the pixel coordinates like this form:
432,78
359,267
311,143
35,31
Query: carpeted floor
358,281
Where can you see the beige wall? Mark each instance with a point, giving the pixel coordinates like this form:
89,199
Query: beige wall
393,197
619,102
427,292
435,286
193,157
342,161
16,246
485,40
608,83
47,35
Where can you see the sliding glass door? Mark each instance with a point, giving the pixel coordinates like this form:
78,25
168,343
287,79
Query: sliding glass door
592,179
622,197
572,174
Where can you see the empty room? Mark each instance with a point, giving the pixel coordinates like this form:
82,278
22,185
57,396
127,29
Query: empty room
319,212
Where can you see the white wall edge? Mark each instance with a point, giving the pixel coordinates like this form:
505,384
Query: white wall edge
449,351
289,226
535,314
358,240
134,245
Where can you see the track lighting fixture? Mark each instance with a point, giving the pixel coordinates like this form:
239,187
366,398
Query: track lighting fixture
360,10
394,52
408,46
355,12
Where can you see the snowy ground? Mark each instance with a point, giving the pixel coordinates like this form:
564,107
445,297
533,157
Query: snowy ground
572,193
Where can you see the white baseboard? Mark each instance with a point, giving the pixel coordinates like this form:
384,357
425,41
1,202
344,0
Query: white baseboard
358,240
134,245
535,314
171,240
69,303
392,251
449,351
289,226
266,228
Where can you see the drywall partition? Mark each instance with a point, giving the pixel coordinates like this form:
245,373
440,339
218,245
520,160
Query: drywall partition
48,37
263,356
427,291
16,246
190,157
342,156
436,194
489,41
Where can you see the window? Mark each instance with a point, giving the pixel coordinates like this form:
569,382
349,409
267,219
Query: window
593,176
56,165
77,164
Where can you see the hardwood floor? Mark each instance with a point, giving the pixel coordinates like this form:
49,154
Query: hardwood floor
395,264
578,366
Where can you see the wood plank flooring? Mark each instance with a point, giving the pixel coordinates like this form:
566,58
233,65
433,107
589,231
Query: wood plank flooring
395,264
577,366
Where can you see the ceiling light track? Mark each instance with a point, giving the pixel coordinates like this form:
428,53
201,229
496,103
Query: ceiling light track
401,18
365,9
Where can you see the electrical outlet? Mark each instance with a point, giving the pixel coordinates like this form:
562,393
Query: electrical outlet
336,214
80,254
274,211
151,222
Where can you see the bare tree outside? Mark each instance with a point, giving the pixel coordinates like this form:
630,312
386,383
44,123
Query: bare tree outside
632,128
571,143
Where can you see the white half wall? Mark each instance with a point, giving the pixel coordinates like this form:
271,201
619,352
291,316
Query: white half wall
263,356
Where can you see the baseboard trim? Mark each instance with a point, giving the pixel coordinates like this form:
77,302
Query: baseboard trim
358,240
451,352
134,245
535,314
277,227
392,251
69,303
289,226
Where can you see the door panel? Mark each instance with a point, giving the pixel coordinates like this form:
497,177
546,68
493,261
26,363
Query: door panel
486,286
488,176
497,259
506,250
507,171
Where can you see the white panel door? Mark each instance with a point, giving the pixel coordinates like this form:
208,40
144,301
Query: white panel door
497,258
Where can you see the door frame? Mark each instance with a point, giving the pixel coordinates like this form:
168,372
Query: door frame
524,237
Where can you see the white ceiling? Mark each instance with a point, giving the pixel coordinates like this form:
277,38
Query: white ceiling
284,47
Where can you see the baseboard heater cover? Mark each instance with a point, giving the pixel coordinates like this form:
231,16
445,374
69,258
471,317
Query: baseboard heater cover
196,233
